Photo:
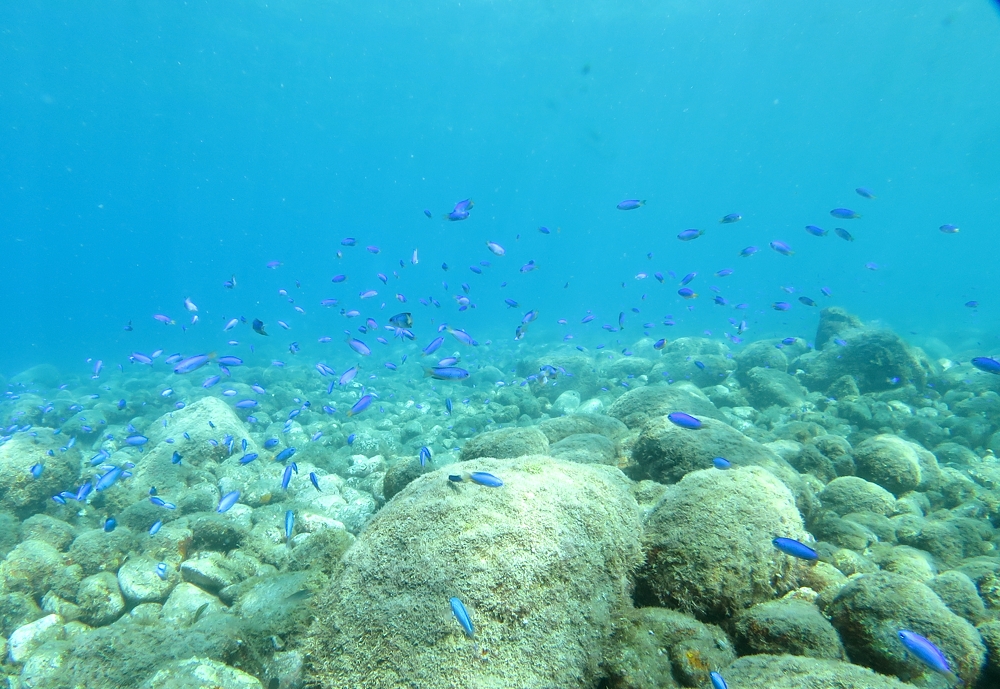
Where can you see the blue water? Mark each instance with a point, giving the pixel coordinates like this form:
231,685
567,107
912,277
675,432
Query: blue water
150,151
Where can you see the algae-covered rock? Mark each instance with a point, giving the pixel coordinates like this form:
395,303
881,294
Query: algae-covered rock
585,448
659,648
762,354
25,640
665,452
16,609
506,443
639,406
564,426
20,492
767,387
43,527
787,626
852,494
140,583
98,551
876,359
680,360
32,568
870,610
200,673
509,554
896,464
799,672
709,547
100,599
832,322
959,593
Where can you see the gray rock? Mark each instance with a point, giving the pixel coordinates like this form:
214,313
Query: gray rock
98,551
100,599
677,361
200,673
24,497
585,448
26,639
506,443
769,387
873,357
32,567
185,601
832,322
691,532
896,464
639,406
16,609
763,354
852,494
787,626
42,527
140,583
566,403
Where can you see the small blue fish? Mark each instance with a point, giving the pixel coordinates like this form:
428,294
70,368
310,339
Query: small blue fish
108,479
286,477
161,570
843,234
485,479
730,218
683,420
789,546
289,526
247,458
227,501
314,480
816,231
360,405
36,470
136,440
630,204
807,301
949,229
688,235
749,251
721,463
351,438
425,455
844,214
717,681
462,615
660,344
175,458
781,248
284,454
157,525
270,442
110,524
864,192
925,650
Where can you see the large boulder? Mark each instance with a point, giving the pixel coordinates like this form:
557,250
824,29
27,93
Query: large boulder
542,565
787,626
698,360
639,406
22,493
767,387
870,610
876,359
852,494
563,426
709,547
832,322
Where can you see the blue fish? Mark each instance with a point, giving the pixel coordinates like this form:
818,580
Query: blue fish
314,480
985,363
247,458
227,501
462,615
425,455
270,442
789,546
284,454
717,681
108,479
844,214
360,405
157,525
925,650
136,440
351,438
447,404
485,479
161,570
175,458
630,204
36,470
721,463
683,420
286,477
110,524
289,526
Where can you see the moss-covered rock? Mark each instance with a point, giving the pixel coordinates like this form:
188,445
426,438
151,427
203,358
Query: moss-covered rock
852,494
541,563
506,443
639,406
787,626
896,464
797,672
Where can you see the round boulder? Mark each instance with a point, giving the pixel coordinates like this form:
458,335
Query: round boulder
506,443
639,406
541,565
709,547
787,626
852,494
798,672
896,464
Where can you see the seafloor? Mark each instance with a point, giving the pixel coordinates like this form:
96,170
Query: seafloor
614,554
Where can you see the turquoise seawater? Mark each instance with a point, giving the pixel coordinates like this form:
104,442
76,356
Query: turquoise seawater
267,186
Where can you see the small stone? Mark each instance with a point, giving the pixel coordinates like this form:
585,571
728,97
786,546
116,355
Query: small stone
140,583
208,571
186,600
25,640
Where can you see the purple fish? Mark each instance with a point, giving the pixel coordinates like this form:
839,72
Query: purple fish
789,546
229,361
227,501
368,294
359,347
815,231
687,293
141,358
781,306
246,404
749,251
925,650
782,248
683,420
166,320
688,235
630,204
348,241
949,229
447,373
360,405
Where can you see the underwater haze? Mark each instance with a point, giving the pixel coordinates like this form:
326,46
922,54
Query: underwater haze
598,345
